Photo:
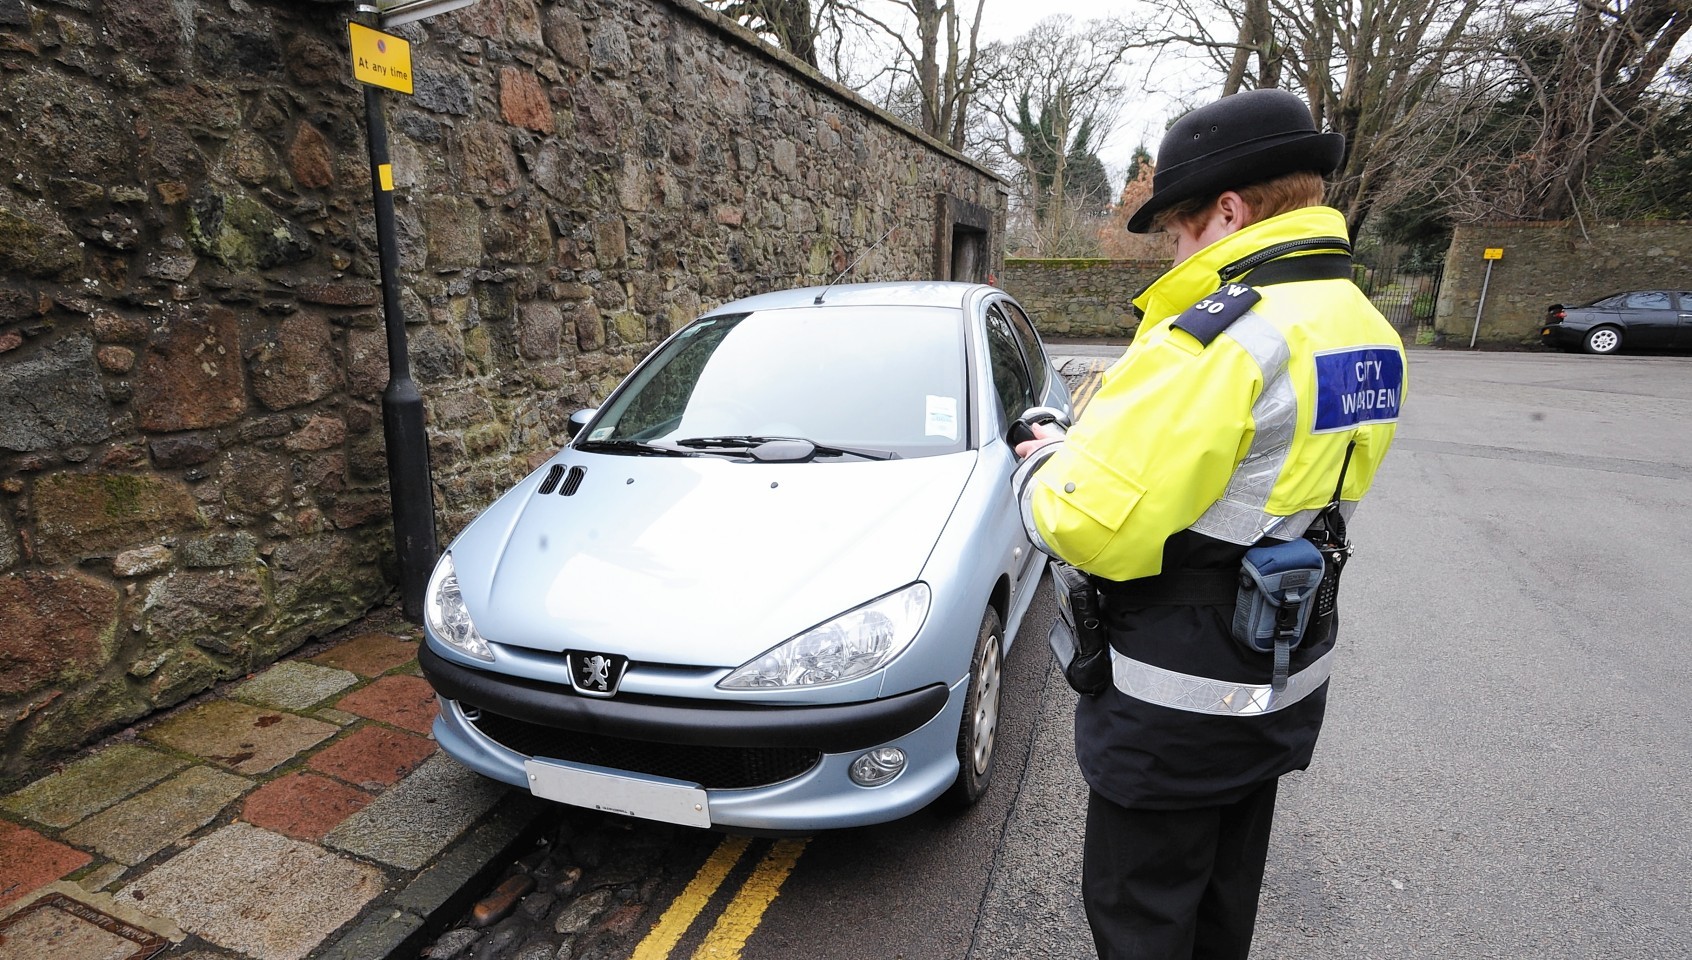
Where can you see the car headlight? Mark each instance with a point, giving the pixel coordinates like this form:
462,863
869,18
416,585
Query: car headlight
852,645
443,604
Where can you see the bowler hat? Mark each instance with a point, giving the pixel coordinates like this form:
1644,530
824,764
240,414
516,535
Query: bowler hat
1238,140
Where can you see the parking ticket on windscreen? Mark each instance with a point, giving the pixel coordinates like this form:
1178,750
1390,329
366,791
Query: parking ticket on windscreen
942,420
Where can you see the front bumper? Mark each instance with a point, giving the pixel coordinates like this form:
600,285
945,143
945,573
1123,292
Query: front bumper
924,723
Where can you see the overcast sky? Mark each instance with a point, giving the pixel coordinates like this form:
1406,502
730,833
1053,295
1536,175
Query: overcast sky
1155,93
1149,105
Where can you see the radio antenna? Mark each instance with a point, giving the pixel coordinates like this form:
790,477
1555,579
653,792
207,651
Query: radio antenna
853,265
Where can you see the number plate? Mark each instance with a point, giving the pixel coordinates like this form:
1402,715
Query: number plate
596,788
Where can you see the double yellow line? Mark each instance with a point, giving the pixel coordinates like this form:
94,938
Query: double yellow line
740,918
1088,386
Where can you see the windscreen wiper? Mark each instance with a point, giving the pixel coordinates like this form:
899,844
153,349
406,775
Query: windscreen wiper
639,448
783,449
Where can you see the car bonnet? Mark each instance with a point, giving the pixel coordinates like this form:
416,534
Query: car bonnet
700,561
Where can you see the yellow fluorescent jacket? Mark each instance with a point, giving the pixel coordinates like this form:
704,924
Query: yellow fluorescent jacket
1235,440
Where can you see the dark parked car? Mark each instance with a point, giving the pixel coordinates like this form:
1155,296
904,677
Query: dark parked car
1640,319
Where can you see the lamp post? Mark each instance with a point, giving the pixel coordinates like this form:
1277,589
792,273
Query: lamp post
382,61
1492,255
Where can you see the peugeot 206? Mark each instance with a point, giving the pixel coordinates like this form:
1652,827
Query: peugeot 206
770,584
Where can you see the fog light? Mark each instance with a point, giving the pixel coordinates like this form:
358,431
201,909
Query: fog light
877,767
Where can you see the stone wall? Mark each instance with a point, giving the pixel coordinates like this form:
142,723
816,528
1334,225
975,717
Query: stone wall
1551,262
1081,298
192,473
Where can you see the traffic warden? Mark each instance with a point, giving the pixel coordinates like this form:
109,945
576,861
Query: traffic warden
1204,494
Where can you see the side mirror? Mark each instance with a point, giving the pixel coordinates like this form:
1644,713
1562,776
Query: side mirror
580,419
1045,415
1022,428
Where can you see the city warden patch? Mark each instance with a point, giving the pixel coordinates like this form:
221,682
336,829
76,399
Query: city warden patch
1357,386
1207,319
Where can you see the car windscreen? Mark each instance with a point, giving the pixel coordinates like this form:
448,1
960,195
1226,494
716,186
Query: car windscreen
880,378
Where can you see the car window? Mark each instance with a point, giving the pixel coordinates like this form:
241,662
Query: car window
1686,300
882,378
1648,300
1011,382
1612,303
1039,368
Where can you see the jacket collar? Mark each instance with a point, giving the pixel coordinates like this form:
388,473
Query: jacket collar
1197,276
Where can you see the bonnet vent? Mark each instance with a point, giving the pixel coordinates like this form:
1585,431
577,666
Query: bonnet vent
573,482
551,482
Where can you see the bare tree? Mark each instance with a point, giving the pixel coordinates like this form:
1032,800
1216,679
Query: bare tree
1539,120
1050,98
1364,67
788,24
1255,39
1507,107
1604,61
935,54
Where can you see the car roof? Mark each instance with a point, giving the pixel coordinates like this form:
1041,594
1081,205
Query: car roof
921,293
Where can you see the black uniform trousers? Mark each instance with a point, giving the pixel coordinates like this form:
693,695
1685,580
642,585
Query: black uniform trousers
1175,884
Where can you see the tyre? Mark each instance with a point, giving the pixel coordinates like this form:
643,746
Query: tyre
978,731
1602,340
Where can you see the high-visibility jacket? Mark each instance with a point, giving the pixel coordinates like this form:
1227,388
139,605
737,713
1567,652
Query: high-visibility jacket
1225,425
1236,439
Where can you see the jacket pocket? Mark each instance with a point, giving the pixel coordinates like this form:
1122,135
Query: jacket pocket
1093,501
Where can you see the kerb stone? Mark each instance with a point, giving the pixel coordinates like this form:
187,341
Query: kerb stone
139,827
370,654
243,738
29,860
385,933
293,685
405,702
257,892
91,785
465,870
414,821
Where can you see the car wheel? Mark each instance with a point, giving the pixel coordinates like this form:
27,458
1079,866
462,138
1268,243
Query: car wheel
1602,340
979,730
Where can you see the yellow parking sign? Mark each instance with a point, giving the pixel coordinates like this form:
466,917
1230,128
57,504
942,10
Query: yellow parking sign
1494,253
380,59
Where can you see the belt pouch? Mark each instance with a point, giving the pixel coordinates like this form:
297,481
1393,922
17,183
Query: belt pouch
1078,636
1277,584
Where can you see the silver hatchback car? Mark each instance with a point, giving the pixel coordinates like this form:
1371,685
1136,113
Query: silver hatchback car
770,583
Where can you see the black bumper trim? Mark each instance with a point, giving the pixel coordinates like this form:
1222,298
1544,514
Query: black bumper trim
834,728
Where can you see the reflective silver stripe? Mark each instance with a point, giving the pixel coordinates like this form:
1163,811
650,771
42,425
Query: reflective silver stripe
1181,691
1286,528
1022,483
1239,516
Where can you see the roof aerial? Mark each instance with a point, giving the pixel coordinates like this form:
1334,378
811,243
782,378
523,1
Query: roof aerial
855,261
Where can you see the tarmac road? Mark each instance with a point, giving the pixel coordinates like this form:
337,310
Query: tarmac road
1504,769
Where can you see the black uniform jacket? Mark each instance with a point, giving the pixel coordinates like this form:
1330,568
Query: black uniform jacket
1143,755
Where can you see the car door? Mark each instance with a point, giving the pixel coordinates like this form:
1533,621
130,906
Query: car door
1013,381
1683,329
1014,386
1650,318
1048,384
